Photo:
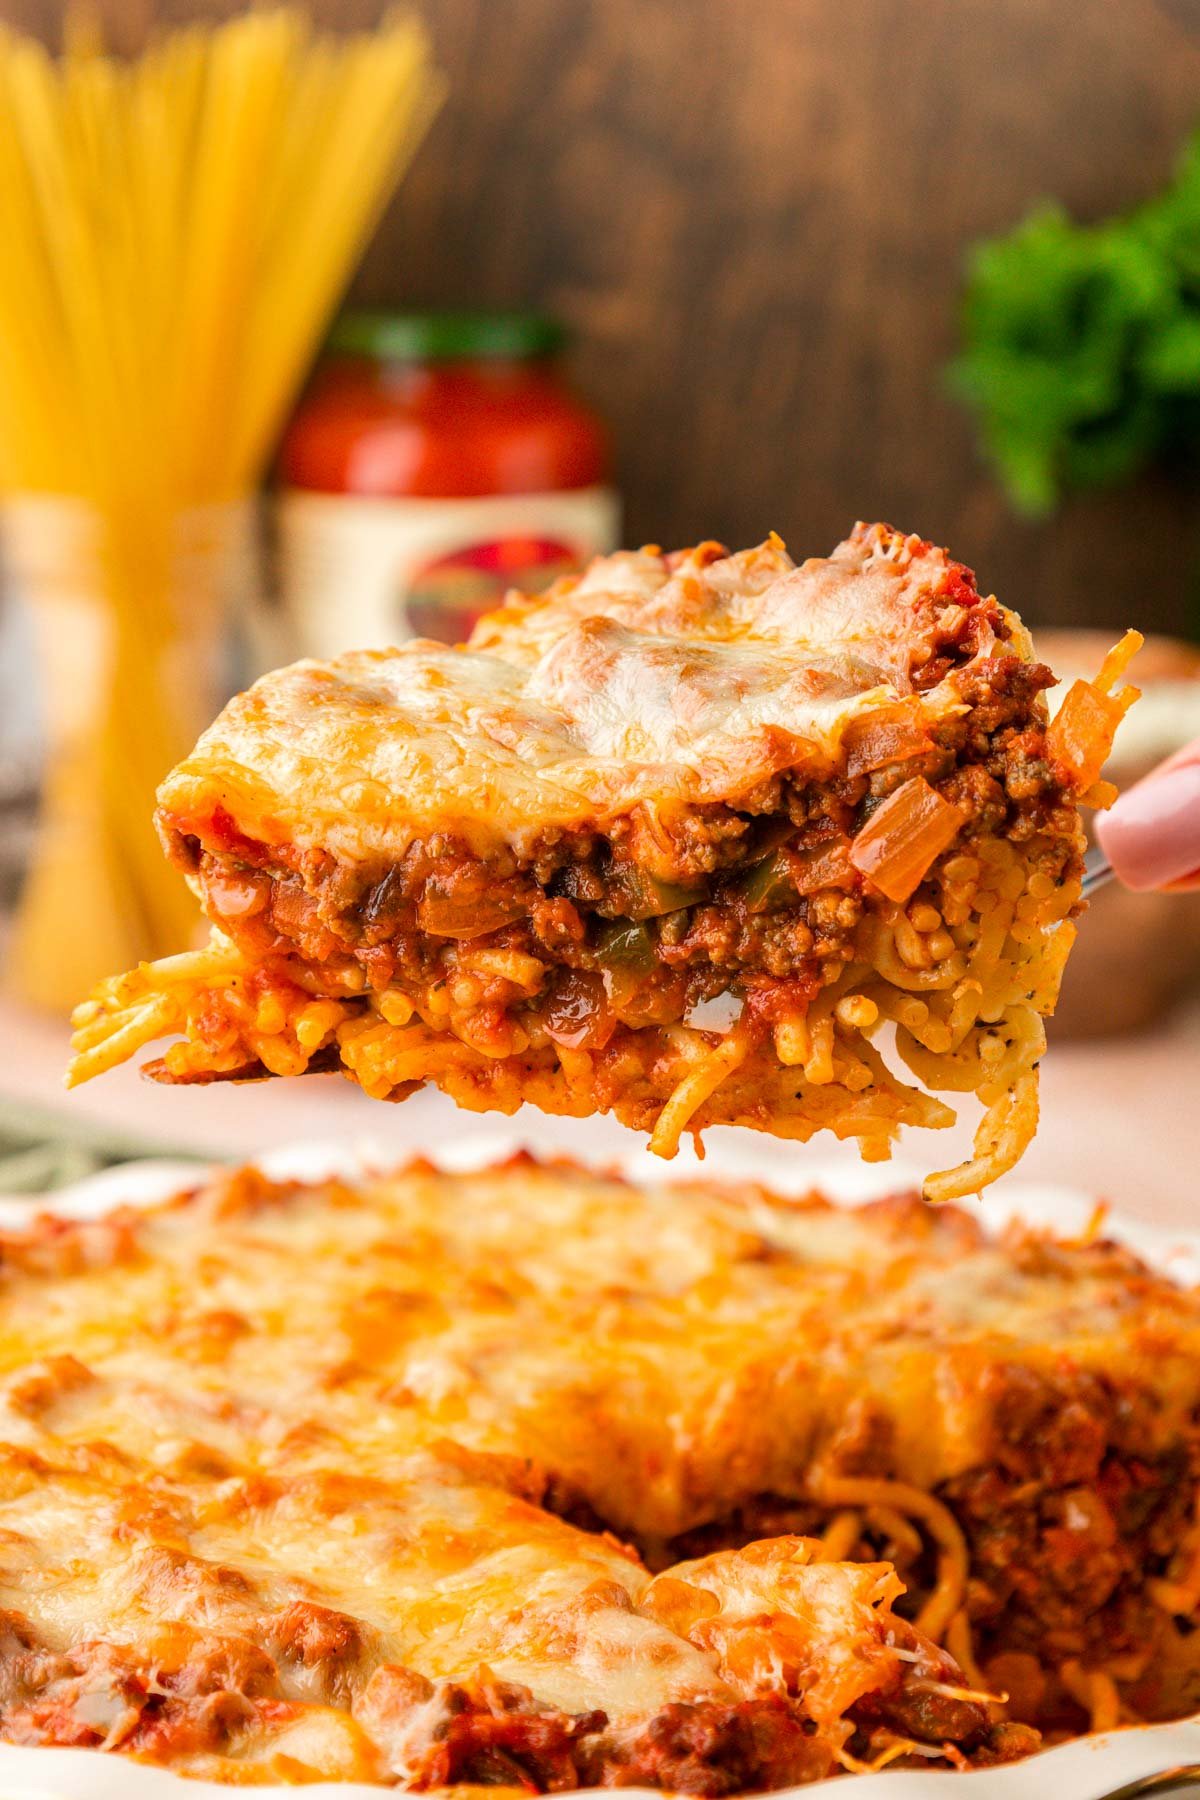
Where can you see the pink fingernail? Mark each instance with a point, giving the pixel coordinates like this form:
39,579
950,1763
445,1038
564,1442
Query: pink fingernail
1152,834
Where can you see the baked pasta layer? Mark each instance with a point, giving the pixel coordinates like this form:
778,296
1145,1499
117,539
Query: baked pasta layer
679,840
532,1477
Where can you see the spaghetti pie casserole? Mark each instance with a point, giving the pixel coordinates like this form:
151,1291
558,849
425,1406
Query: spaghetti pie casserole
677,841
534,1478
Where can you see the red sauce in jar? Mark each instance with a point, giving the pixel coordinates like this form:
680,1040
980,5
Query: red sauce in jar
436,460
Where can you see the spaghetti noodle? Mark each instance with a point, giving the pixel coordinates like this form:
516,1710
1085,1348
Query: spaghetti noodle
944,1603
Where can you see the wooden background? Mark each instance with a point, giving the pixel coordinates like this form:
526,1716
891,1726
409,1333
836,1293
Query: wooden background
755,213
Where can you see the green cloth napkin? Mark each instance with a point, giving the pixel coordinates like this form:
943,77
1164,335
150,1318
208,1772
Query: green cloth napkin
41,1149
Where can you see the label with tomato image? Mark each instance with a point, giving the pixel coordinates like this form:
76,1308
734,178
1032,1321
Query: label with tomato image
445,598
360,574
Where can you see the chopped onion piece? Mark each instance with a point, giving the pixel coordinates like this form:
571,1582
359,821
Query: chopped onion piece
889,735
898,844
721,1013
1080,736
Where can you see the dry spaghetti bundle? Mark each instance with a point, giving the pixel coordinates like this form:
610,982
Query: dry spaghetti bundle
174,233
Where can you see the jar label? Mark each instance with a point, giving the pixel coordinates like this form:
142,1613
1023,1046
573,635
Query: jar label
360,574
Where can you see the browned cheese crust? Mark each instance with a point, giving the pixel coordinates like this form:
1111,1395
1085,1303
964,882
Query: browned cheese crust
534,1477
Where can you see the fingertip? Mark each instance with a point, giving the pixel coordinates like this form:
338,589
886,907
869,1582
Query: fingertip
1151,836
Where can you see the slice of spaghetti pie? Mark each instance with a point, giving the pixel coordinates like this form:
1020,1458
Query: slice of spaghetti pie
695,839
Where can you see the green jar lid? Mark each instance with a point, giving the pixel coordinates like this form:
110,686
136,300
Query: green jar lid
444,336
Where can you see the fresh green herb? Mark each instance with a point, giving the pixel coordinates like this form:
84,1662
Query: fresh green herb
1081,355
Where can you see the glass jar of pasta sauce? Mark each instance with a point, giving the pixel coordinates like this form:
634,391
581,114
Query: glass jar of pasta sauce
436,460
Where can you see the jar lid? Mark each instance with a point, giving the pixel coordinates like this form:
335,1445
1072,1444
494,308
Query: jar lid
445,336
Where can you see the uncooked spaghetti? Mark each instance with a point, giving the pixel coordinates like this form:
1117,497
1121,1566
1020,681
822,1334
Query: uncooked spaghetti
176,230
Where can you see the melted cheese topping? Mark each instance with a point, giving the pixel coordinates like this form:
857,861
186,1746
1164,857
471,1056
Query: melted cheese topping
650,679
626,1339
879,597
295,1445
288,1451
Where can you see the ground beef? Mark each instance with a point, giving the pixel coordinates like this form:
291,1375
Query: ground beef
1076,1510
714,1749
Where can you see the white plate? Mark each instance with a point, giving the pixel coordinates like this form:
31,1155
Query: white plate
1086,1769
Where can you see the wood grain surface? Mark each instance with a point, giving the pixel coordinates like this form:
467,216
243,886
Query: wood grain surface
755,214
